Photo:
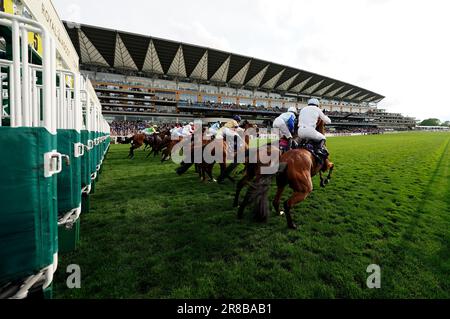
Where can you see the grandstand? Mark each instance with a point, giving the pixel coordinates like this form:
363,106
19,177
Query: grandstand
138,77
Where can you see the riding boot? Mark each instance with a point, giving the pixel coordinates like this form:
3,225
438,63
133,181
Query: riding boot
322,144
290,146
292,143
322,150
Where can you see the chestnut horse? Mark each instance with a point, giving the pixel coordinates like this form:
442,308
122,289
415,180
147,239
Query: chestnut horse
298,167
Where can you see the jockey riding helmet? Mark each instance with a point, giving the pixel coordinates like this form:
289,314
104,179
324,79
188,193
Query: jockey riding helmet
314,102
293,109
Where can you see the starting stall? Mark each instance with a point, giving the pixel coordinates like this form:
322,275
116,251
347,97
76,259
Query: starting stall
53,140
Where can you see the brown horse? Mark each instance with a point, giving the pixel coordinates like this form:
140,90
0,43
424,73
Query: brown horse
205,168
137,140
159,141
167,152
299,166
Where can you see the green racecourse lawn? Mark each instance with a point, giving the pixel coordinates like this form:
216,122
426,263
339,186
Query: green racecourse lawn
152,234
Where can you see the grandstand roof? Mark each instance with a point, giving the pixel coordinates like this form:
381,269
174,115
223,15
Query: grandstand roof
125,51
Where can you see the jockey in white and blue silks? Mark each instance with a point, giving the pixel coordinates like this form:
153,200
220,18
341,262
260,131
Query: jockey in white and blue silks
285,123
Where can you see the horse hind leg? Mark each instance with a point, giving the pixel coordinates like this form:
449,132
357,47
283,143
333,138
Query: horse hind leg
277,199
289,204
164,156
209,169
323,182
281,185
240,185
331,168
244,203
131,153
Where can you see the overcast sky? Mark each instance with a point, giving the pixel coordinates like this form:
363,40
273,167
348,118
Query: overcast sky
397,48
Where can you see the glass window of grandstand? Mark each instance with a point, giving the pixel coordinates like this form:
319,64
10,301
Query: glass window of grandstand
190,99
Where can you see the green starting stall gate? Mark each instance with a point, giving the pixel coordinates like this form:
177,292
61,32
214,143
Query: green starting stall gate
53,140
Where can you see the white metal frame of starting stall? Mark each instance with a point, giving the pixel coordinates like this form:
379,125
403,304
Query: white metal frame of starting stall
25,106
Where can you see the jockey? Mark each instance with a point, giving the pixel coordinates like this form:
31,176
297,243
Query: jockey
212,131
150,130
188,130
234,123
176,132
307,122
285,123
230,129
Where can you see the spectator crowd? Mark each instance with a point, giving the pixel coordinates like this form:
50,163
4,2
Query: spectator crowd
128,128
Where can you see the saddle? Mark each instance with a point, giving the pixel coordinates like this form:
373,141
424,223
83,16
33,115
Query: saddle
320,152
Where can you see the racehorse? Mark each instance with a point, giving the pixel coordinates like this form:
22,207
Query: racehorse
258,186
159,141
205,168
137,140
297,168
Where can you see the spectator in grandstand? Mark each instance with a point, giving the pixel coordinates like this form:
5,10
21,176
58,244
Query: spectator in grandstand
307,122
285,123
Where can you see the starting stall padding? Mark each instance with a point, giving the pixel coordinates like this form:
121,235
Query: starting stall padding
69,189
28,232
69,117
93,161
85,171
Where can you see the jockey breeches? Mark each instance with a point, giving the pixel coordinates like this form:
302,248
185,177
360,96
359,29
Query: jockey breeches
282,127
310,133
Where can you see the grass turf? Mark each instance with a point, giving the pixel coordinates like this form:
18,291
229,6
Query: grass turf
153,234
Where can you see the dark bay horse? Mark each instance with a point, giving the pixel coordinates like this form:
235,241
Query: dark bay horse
159,142
137,140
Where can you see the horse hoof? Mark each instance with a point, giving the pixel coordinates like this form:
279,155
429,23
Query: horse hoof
214,180
281,213
292,226
327,182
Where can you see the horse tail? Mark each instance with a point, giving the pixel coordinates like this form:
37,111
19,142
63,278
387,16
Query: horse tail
259,191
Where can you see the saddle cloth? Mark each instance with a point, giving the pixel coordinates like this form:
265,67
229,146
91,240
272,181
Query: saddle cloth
320,153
